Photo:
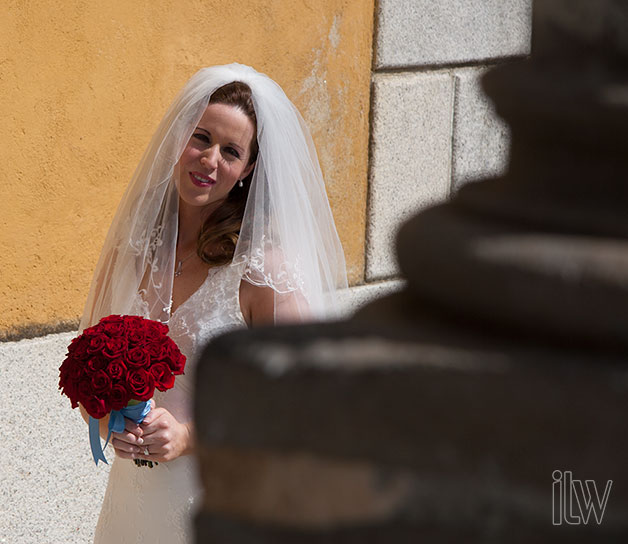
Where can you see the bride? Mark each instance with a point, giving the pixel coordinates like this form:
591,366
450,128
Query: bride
225,224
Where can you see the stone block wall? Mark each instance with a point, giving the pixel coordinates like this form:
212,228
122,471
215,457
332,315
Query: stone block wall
432,128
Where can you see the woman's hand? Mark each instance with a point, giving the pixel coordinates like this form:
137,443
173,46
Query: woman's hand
160,433
128,444
164,437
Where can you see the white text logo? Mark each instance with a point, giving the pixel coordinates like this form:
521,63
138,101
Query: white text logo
574,500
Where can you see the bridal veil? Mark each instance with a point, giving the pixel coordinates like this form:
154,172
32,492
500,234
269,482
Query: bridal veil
288,240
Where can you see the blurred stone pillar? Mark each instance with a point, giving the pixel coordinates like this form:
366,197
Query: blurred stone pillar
468,407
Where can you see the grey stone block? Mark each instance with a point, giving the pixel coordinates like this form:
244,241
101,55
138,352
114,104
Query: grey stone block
474,425
481,139
410,157
50,489
352,299
425,32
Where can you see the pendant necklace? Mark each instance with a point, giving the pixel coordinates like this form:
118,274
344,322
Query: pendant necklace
178,271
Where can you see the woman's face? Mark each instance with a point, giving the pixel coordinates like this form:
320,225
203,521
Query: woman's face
216,157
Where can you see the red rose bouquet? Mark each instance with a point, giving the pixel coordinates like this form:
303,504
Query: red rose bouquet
114,367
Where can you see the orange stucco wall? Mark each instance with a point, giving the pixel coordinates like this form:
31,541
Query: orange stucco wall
83,84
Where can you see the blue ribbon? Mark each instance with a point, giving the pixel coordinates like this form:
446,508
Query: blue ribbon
135,413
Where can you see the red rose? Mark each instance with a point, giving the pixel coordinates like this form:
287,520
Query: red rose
76,371
166,346
154,349
112,319
119,396
95,407
171,355
67,384
65,368
134,322
153,334
78,347
84,390
116,369
113,328
180,361
162,327
96,363
141,384
100,382
136,336
70,390
91,331
114,347
164,378
137,358
96,343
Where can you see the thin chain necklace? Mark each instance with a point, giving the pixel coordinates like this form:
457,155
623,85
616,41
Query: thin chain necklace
178,271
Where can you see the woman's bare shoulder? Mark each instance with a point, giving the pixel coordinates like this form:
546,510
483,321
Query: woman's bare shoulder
257,304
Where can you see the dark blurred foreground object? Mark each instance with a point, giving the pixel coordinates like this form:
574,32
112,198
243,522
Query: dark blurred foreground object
474,405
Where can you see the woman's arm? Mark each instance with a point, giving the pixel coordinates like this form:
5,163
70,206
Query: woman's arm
257,304
103,423
264,306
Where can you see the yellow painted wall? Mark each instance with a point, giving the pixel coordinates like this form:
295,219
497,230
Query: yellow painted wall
83,84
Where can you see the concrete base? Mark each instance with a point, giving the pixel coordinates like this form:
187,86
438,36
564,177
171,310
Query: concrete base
50,490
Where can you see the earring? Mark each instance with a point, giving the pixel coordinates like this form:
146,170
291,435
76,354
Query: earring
240,183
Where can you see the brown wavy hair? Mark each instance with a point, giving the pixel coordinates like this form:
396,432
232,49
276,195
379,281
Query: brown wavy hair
222,228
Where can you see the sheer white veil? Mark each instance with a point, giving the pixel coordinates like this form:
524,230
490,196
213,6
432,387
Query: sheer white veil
288,240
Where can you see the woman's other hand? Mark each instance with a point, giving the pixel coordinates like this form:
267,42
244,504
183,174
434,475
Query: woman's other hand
129,443
164,437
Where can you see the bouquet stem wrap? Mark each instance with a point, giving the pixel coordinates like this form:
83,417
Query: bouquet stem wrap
136,413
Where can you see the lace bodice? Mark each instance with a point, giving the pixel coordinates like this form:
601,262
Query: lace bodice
155,505
212,310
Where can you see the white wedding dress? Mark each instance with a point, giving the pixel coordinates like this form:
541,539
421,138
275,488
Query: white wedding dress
156,505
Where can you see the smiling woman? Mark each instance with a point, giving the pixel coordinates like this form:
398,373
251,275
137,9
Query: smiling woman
225,224
226,140
217,155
